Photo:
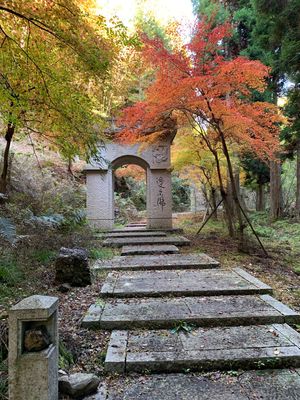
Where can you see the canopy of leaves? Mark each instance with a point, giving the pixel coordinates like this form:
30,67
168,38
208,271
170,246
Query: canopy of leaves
197,84
55,57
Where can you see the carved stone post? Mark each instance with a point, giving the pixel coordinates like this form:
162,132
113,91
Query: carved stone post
33,349
160,193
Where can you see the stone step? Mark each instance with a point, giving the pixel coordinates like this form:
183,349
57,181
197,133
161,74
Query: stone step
137,234
221,348
143,229
201,311
207,282
136,224
149,249
280,384
133,241
158,262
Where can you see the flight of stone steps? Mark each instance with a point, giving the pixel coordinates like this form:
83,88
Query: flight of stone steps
173,313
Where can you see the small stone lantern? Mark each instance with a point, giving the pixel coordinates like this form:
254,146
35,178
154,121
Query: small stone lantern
33,349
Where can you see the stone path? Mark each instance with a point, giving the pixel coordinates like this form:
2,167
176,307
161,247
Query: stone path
157,262
149,249
182,313
182,283
144,240
144,229
249,385
206,349
201,311
137,234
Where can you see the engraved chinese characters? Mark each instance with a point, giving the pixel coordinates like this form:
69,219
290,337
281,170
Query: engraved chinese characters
160,196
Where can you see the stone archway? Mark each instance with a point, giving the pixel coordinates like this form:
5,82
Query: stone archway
155,159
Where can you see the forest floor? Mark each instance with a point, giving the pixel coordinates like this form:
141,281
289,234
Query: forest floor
28,269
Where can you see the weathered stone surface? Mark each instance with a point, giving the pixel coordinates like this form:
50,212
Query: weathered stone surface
78,385
172,240
64,288
137,234
36,339
202,311
33,375
159,261
142,229
205,349
72,267
251,385
149,249
182,283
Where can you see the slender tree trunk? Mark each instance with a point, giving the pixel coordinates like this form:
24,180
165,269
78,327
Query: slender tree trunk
230,195
70,165
8,137
228,214
234,192
276,209
298,182
213,200
260,197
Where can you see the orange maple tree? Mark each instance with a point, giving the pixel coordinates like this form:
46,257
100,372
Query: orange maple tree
198,85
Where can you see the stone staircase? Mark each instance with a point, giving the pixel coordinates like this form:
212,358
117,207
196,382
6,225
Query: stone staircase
178,313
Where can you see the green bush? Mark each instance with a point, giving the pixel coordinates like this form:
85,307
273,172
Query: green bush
101,253
10,273
66,359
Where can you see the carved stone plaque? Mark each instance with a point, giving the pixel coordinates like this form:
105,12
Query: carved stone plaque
160,153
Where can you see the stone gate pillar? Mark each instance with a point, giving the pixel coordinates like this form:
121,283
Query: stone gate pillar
100,198
159,201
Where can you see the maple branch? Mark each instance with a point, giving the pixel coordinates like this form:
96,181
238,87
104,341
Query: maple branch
31,59
40,25
34,21
66,8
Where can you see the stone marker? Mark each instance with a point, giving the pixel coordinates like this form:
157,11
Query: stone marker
149,249
201,311
158,262
182,283
248,385
172,240
33,375
203,349
71,266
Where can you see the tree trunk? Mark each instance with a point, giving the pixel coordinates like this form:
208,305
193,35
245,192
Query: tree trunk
276,209
8,137
234,193
260,197
228,213
298,182
213,201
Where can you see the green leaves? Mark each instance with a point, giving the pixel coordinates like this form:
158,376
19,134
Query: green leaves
55,60
183,326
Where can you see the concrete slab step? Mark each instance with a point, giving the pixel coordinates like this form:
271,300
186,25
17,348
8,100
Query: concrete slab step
158,262
280,384
136,224
182,283
136,234
145,229
133,241
149,249
201,311
221,348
